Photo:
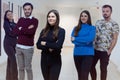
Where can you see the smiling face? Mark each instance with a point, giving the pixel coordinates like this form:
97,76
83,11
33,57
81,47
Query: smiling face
106,12
27,10
84,18
52,18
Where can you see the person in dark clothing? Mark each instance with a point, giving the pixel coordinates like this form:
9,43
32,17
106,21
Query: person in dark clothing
50,42
9,46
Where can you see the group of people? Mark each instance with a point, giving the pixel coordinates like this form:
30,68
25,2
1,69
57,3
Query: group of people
91,43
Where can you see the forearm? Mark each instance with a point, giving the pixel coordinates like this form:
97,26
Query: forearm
113,43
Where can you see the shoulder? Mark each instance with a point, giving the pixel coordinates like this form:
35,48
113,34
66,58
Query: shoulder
61,30
93,27
6,23
21,19
35,19
74,28
113,22
99,21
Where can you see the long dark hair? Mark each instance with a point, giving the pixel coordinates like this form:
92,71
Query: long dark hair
5,16
56,26
78,27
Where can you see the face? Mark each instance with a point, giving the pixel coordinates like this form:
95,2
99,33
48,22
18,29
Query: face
9,15
106,12
84,18
27,10
52,19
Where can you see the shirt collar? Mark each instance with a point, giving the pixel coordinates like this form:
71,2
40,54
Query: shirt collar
29,17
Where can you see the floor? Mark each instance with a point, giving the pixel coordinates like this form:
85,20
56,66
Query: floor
68,71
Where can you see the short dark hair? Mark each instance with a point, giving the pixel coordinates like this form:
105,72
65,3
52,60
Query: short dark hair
27,3
105,6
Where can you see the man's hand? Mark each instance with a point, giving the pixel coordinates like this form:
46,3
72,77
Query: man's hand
20,28
31,26
109,52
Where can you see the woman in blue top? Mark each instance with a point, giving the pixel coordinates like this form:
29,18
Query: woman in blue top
82,37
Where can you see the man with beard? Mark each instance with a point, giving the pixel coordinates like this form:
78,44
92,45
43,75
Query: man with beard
106,38
25,30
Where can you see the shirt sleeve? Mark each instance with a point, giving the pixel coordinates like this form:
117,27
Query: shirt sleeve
25,31
38,44
77,42
16,30
31,31
115,27
7,29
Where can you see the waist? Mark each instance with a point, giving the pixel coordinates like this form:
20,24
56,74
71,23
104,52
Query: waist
10,37
24,46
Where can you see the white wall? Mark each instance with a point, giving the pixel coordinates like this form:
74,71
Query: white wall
115,57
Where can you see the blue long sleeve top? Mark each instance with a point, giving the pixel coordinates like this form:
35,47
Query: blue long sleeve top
83,43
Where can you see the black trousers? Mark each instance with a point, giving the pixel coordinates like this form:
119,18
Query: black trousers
51,66
11,71
104,61
83,65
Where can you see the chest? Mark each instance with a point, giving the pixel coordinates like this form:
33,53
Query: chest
26,22
105,28
50,36
84,31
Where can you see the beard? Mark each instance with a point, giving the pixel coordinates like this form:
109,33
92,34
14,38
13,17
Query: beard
106,16
27,14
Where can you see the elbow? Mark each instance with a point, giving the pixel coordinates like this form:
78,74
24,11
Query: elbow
37,45
58,46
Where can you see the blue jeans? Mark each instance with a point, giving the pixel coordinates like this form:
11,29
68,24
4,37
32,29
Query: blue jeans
24,58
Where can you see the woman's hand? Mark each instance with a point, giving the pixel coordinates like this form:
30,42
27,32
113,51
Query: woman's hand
43,43
72,38
50,49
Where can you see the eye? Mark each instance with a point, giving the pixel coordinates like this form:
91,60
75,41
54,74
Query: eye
48,16
82,16
53,16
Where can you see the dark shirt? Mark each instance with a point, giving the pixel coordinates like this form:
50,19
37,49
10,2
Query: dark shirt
55,44
25,35
9,38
